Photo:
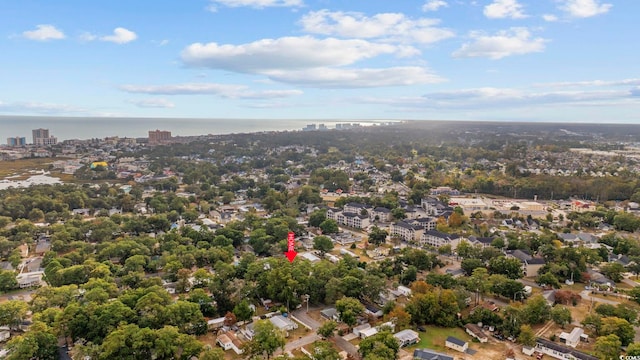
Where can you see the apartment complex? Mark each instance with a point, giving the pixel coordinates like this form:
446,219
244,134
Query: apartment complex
41,137
16,141
158,137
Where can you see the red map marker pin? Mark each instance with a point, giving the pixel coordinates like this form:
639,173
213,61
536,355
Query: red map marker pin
291,252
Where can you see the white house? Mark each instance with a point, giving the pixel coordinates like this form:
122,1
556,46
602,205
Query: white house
283,323
456,344
404,290
573,338
358,329
229,341
560,351
476,331
368,332
214,324
407,337
29,279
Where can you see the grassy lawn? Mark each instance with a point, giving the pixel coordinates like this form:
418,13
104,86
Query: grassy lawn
435,337
13,167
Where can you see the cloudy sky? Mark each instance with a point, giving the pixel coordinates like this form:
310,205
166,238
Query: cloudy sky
521,60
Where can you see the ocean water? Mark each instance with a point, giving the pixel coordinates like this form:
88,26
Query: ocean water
92,127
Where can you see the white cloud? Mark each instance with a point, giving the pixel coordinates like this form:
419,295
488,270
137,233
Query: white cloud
39,108
152,103
513,97
434,5
501,9
356,78
256,4
44,32
222,90
120,36
624,82
287,53
393,26
515,41
584,8
549,17
488,97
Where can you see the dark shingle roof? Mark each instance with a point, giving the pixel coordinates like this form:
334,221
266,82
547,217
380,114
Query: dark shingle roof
565,350
456,341
428,354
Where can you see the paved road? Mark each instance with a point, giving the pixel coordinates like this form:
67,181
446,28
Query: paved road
585,296
301,315
529,282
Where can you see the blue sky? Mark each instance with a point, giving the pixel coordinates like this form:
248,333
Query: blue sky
507,60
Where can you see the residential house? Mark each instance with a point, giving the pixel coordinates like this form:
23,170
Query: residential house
404,290
568,238
407,337
215,324
368,332
345,238
373,310
620,258
42,246
229,341
283,323
386,296
444,190
81,212
600,279
490,305
456,344
573,338
560,351
582,206
428,354
455,273
309,256
29,279
530,264
476,332
360,328
437,239
330,314
248,332
481,241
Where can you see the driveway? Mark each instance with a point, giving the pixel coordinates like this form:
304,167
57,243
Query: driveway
300,342
345,345
302,316
585,296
